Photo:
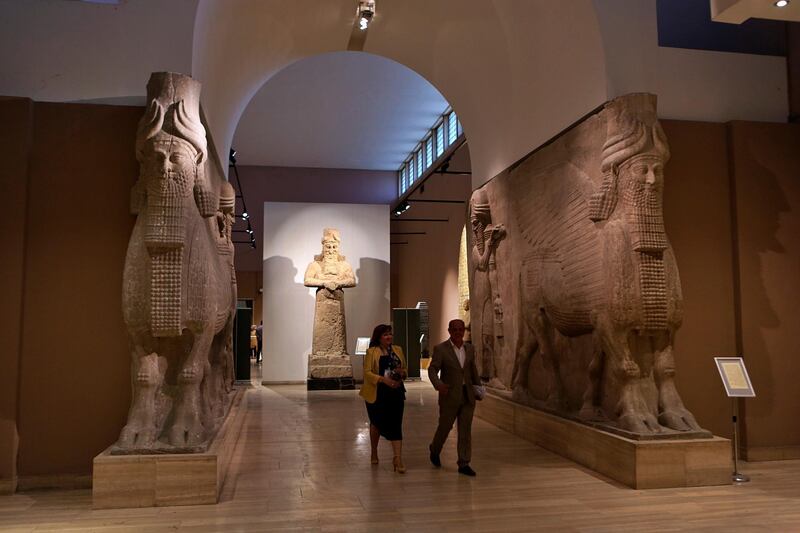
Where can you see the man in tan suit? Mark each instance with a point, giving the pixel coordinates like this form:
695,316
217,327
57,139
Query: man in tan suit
453,373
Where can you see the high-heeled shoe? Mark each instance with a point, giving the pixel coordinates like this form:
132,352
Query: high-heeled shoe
397,463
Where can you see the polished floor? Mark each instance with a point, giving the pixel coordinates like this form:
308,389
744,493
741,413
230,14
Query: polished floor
302,463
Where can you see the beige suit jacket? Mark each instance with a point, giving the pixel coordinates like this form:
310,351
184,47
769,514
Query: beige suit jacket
445,368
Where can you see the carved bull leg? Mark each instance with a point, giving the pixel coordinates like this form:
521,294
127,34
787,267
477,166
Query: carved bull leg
631,410
543,330
526,347
141,430
591,409
671,411
187,427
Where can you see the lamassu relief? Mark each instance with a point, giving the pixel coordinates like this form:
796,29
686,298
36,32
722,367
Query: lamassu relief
583,278
179,285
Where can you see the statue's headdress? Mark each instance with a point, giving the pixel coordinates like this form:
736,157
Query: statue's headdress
633,129
173,109
173,112
329,234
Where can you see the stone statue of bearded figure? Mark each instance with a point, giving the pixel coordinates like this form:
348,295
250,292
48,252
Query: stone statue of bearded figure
179,287
330,273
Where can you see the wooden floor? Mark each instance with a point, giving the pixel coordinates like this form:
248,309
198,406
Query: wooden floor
302,463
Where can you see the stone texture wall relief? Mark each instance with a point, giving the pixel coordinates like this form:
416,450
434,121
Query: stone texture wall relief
330,274
487,329
591,283
179,285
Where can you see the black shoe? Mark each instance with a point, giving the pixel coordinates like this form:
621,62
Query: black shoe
466,470
435,461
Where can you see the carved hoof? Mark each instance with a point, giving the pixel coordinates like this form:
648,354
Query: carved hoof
678,419
630,368
639,423
188,375
554,401
521,395
591,412
182,435
134,436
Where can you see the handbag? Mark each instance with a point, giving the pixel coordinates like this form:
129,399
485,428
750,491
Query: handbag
480,391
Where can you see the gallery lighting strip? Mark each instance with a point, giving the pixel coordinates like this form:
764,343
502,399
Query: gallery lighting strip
444,133
245,216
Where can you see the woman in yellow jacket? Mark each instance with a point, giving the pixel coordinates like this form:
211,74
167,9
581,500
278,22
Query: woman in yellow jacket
384,392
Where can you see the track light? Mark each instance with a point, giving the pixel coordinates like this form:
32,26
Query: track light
245,215
232,156
366,10
401,208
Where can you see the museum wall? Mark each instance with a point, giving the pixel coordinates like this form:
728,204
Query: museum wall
426,268
765,168
702,85
15,145
73,376
248,285
67,51
292,237
320,185
697,216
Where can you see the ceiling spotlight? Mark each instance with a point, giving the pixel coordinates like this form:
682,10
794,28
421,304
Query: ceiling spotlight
366,10
782,3
250,231
232,156
245,215
401,208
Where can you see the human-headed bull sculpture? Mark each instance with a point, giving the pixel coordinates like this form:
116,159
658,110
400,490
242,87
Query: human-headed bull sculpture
179,287
599,264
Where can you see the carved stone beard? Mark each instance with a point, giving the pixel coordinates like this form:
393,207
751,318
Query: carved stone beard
165,234
330,264
165,226
644,207
643,204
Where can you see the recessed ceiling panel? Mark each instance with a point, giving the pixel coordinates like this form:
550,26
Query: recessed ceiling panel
338,110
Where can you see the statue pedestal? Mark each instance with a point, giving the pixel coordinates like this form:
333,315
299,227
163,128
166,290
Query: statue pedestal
165,479
330,372
639,464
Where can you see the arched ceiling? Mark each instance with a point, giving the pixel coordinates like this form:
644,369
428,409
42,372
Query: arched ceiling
515,72
347,110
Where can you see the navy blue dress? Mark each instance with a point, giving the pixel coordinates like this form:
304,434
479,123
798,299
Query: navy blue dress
386,413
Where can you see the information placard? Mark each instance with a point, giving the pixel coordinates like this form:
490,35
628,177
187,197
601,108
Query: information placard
361,345
734,376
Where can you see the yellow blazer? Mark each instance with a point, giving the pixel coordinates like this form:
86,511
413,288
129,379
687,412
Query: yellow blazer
369,390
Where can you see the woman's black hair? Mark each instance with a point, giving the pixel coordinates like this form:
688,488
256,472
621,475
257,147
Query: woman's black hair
377,333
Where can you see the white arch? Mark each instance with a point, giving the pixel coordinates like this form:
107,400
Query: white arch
516,72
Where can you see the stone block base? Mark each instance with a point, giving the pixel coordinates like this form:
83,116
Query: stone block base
330,384
640,464
329,366
125,481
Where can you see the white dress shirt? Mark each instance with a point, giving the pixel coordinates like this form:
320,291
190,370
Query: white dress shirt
461,353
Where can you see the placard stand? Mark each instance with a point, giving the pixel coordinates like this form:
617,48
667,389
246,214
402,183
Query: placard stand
737,385
738,477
